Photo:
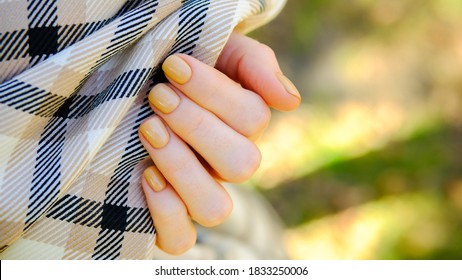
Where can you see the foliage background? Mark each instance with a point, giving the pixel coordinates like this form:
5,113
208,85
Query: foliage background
370,166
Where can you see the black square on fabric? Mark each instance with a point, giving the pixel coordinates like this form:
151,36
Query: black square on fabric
65,108
43,40
114,217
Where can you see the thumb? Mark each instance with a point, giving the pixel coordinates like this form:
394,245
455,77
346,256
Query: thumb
255,67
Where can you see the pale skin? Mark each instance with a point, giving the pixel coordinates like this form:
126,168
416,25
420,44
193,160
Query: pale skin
206,122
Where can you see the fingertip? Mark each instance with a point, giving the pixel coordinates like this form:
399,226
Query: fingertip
154,178
154,132
289,87
280,93
284,103
163,98
177,69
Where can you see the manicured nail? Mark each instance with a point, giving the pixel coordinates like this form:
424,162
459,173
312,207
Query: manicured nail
288,85
154,178
164,98
155,132
177,69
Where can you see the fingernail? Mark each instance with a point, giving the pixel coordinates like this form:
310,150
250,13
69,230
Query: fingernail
177,69
154,178
164,98
288,85
155,132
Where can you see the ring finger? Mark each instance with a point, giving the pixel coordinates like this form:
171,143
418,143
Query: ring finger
207,201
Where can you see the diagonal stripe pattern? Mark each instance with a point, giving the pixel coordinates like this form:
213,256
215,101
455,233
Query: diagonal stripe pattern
74,77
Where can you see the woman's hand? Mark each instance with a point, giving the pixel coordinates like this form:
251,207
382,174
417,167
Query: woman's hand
207,120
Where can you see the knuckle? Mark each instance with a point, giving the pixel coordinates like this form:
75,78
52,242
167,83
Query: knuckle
177,166
266,50
246,165
195,123
251,163
180,246
216,213
262,115
259,116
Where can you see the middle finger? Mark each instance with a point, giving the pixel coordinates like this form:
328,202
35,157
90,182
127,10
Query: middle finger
242,109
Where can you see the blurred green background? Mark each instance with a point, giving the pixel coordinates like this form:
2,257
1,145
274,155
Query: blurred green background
370,166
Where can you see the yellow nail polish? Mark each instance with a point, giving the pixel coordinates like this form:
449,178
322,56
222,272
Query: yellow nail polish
155,132
164,98
177,69
288,85
154,178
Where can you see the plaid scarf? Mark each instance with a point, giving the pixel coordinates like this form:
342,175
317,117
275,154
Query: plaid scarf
74,77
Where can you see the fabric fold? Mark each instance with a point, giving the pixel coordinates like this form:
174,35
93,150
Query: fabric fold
71,160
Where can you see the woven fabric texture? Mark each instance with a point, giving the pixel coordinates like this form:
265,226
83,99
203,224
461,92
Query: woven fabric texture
74,77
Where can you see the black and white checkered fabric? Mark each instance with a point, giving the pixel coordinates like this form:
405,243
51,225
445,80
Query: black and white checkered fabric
73,81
